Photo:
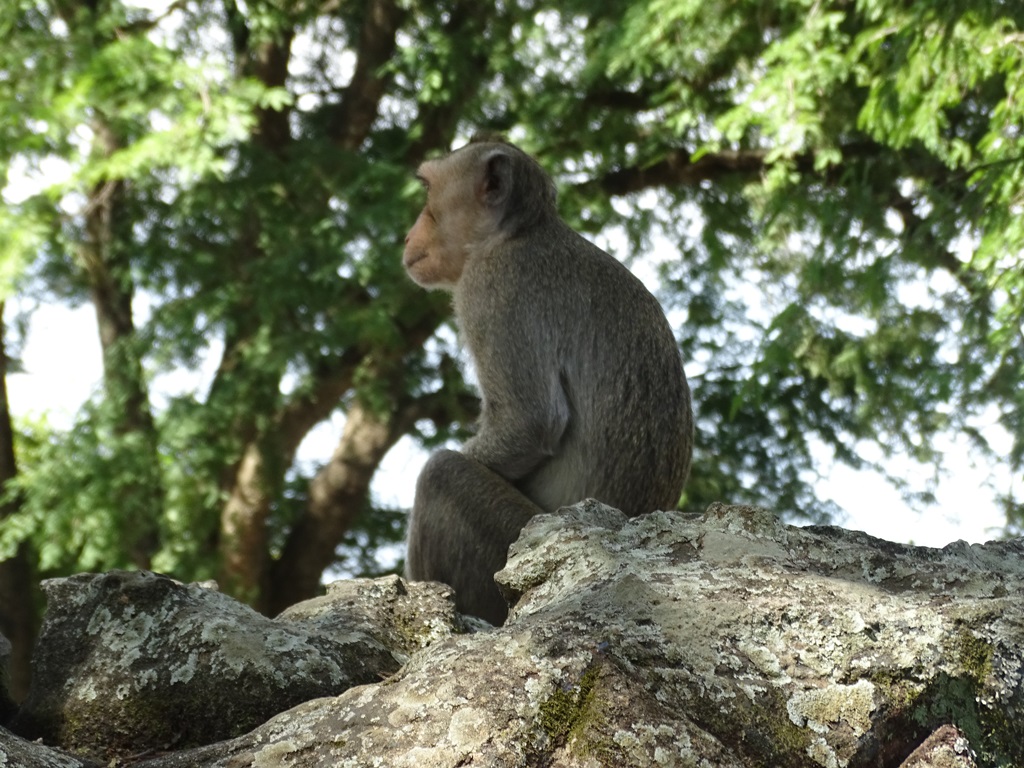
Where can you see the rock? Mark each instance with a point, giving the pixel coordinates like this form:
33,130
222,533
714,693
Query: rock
16,752
946,748
404,618
130,662
7,705
723,639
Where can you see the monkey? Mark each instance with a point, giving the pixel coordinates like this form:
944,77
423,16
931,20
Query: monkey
582,388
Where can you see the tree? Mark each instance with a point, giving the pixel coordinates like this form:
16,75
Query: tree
239,180
18,618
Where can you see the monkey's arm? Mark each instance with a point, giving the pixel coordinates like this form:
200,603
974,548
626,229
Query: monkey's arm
526,409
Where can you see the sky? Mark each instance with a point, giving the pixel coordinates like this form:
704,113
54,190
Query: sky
61,367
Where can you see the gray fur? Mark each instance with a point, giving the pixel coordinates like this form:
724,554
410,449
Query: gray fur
583,389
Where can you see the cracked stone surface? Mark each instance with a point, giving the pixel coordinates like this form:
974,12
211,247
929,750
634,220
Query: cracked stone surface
722,639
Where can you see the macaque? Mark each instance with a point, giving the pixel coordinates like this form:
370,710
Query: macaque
582,385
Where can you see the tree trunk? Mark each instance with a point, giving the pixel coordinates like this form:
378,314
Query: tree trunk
247,484
104,259
243,531
18,588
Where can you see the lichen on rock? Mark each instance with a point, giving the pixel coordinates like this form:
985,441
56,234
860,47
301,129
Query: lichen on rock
671,639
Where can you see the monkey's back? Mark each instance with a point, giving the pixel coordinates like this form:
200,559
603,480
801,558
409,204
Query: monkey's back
629,437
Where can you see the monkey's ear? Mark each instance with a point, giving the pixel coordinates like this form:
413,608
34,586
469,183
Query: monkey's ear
496,184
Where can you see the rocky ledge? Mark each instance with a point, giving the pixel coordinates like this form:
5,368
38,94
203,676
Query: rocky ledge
672,639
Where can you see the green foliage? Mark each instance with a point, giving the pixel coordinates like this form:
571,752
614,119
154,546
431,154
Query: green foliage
80,514
22,234
831,192
887,156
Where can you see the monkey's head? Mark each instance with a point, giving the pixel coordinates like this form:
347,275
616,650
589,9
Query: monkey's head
477,197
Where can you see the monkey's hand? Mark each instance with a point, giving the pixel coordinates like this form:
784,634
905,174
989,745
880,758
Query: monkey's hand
518,435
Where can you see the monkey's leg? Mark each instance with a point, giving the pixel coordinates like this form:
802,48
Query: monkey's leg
464,518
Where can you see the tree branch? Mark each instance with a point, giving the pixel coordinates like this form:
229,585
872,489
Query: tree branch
266,60
438,120
337,494
679,168
352,119
339,490
334,377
